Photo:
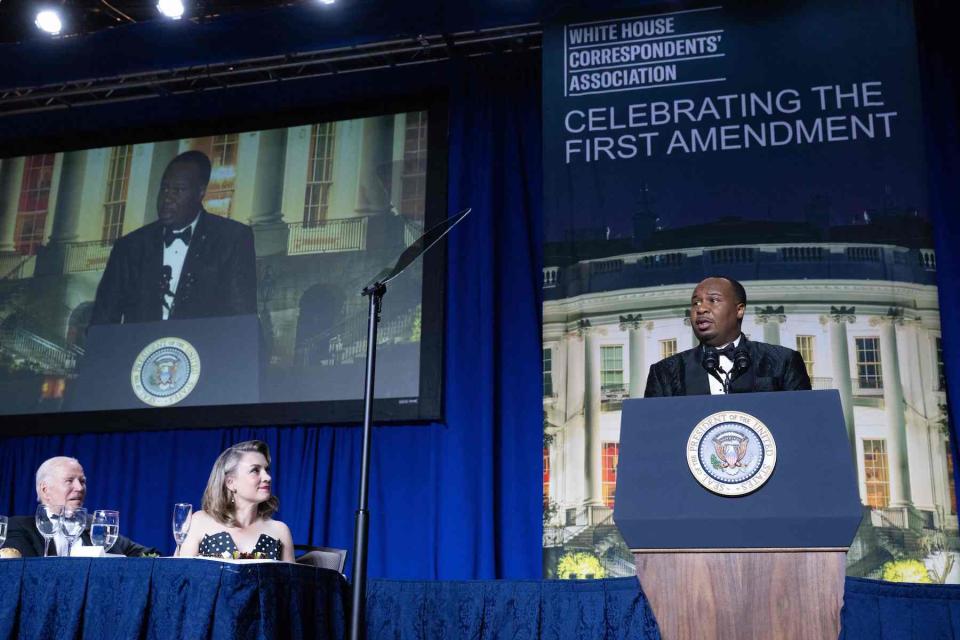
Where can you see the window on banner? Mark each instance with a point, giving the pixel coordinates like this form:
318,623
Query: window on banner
951,483
876,471
805,347
611,377
222,151
668,348
115,200
611,456
547,372
546,475
941,376
869,371
34,203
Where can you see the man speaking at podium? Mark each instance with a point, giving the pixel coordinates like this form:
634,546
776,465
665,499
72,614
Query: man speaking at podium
187,264
725,361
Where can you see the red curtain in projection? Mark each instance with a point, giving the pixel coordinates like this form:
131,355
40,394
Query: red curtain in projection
34,203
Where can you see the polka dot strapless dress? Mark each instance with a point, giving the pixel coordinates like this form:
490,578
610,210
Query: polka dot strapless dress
218,544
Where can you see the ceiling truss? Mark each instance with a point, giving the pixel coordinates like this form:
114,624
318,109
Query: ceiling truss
424,49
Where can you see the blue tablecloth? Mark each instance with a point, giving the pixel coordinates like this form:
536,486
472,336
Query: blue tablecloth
165,598
552,609
875,610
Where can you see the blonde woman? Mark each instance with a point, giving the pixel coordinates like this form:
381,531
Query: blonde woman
238,506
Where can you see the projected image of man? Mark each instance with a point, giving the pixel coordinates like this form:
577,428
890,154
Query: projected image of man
725,361
187,264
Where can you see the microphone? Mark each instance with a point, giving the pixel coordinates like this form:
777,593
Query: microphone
710,360
741,360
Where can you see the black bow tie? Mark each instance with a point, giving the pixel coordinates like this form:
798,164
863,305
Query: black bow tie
169,235
727,351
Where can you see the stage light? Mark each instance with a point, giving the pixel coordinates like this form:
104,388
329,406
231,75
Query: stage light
327,1
171,8
48,20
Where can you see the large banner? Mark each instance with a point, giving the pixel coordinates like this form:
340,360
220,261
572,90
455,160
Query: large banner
778,144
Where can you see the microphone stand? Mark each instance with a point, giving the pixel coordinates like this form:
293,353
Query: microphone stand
716,376
361,530
730,376
374,292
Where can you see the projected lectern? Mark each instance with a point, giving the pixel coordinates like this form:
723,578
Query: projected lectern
739,510
203,361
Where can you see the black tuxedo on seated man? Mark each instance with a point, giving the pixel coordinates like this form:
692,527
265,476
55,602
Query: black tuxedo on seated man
23,536
772,368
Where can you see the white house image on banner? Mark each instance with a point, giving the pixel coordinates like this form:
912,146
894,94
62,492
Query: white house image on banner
863,315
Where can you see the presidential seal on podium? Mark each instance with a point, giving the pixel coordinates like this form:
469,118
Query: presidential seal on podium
731,453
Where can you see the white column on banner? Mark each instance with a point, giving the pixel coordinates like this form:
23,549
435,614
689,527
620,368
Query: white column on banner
900,495
770,318
633,325
591,415
838,320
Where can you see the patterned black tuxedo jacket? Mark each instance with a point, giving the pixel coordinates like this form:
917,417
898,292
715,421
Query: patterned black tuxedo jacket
772,368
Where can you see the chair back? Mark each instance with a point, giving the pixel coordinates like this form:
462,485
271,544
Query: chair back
323,557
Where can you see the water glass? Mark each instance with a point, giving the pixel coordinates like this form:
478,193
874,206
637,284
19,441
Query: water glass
3,530
181,523
48,523
73,522
105,528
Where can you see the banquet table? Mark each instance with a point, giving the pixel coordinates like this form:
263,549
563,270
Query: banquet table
168,598
611,609
197,598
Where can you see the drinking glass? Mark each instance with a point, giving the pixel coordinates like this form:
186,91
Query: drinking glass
106,528
3,530
48,523
73,522
181,523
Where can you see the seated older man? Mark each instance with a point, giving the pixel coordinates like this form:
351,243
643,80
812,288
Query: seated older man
60,481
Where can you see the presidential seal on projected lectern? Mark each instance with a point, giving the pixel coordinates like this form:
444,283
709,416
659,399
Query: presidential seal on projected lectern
165,372
731,453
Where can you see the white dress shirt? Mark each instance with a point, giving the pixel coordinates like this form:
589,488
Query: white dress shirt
174,256
726,364
60,542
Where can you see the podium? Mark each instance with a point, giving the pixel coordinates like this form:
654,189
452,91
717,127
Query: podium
768,563
225,354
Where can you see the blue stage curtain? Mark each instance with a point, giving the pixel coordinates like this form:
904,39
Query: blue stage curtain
452,500
941,106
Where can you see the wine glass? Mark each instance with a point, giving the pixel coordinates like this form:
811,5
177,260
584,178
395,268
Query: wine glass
181,523
48,523
3,530
73,522
105,528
